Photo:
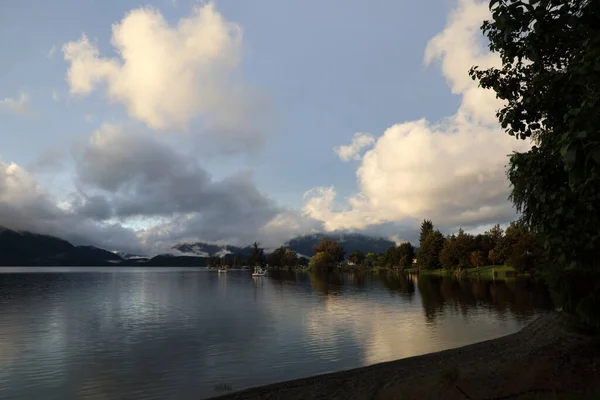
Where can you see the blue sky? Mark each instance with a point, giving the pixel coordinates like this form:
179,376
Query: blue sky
310,75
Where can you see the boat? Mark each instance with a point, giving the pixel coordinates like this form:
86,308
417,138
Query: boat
258,271
223,269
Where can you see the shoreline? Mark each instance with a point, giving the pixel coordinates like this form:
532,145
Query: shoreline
542,359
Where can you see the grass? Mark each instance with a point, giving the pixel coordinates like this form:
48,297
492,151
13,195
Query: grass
485,272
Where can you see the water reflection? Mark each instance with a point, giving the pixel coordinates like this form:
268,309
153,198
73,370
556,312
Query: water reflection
399,283
521,297
327,283
176,333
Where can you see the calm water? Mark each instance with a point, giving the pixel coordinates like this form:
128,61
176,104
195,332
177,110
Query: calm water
158,333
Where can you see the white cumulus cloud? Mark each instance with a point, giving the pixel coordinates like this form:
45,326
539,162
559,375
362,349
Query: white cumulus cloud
452,171
360,141
166,75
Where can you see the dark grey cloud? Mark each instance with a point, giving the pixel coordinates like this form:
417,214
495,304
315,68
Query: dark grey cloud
125,175
139,176
24,205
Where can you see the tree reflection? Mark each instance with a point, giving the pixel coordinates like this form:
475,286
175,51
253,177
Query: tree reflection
358,279
284,276
521,297
327,283
398,282
431,296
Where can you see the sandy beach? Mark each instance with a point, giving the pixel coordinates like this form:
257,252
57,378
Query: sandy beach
543,360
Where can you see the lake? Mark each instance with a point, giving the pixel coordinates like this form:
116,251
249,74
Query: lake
183,333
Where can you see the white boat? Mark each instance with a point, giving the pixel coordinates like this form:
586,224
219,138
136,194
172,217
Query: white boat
222,270
258,271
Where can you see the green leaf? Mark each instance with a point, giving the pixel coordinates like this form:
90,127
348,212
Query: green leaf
568,154
596,154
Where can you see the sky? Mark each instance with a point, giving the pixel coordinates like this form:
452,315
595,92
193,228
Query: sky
135,126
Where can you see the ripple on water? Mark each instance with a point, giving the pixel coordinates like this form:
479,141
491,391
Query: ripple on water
169,333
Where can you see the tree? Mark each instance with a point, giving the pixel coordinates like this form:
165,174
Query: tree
406,252
478,258
275,258
289,258
322,261
550,86
448,255
303,261
494,235
237,260
484,242
426,229
520,247
357,257
465,244
371,259
332,248
492,257
429,252
227,260
391,257
258,255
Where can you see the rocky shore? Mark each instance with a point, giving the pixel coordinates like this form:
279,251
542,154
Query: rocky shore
541,361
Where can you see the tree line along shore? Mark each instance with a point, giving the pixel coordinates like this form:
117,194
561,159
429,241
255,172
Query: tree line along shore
516,250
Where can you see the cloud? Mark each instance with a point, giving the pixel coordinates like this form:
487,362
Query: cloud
121,174
349,152
286,225
17,106
452,171
25,205
48,161
51,51
166,76
123,178
55,96
141,175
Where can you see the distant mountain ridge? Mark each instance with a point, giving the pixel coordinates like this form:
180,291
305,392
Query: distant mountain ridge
349,241
302,245
32,249
26,248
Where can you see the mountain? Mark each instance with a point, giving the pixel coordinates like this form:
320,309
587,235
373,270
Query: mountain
32,249
349,241
302,245
26,248
96,253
